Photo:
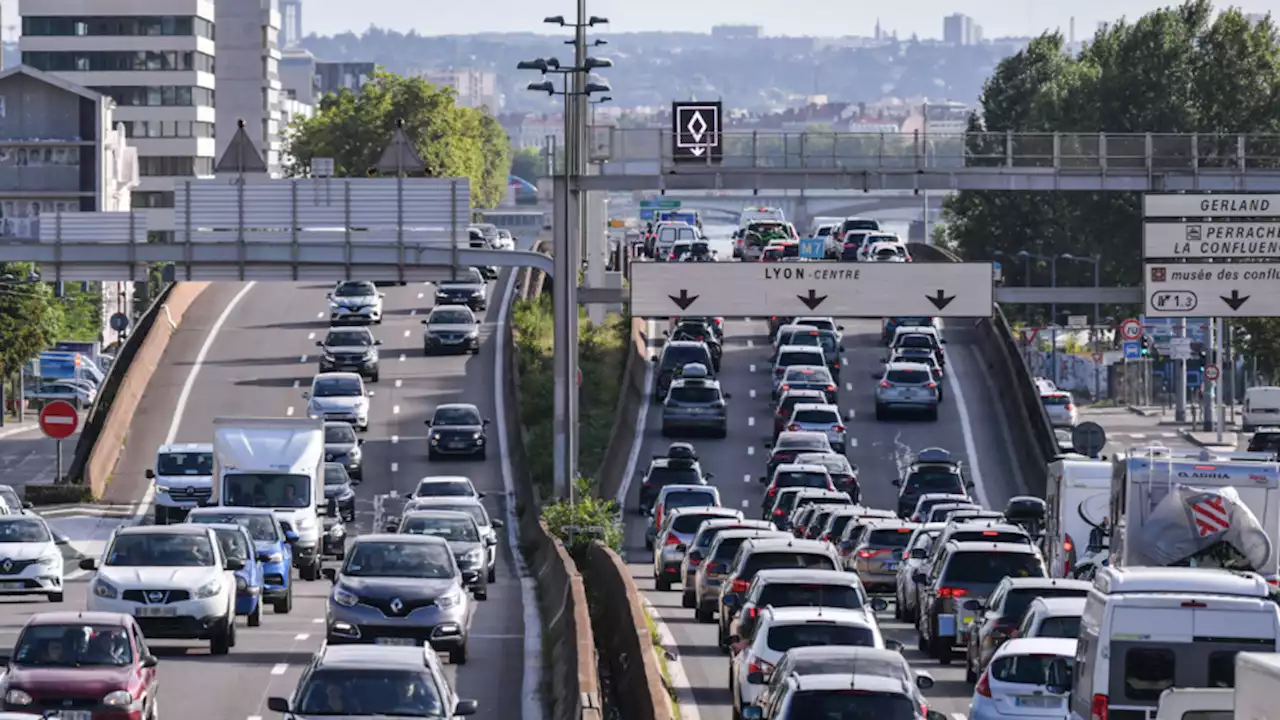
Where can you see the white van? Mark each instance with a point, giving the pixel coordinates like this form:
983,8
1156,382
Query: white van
1261,407
1078,493
1146,630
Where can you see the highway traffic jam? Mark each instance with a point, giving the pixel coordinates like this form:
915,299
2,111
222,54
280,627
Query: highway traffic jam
1143,586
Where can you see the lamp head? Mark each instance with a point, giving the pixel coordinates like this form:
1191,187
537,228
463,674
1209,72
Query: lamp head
592,63
597,20
600,87
539,64
554,20
546,87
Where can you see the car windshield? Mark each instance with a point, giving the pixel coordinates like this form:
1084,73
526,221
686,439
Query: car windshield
694,395
677,356
339,434
1018,600
262,528
471,277
19,529
914,341
268,491
689,498
386,558
784,637
448,488
853,705
370,693
908,377
348,338
475,510
233,544
355,289
688,524
455,416
335,474
194,464
336,387
451,317
802,479
786,559
73,646
872,225
816,417
1062,626
992,567
1024,669
160,550
890,537
451,529
809,595
1058,400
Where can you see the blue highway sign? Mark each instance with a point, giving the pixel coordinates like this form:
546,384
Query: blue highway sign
814,248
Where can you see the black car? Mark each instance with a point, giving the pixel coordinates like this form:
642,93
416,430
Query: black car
934,471
789,444
351,349
334,543
337,487
675,355
469,289
458,429
664,471
700,331
343,447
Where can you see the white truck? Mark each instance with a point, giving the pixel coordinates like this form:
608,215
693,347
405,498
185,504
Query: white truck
1195,508
275,463
1078,493
183,478
1257,677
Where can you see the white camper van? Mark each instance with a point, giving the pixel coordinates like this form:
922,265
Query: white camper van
1257,677
1078,493
275,463
183,478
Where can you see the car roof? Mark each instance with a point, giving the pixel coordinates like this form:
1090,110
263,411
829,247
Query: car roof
178,529
907,365
704,510
803,392
682,463
683,343
695,382
67,617
1055,606
798,435
456,406
1062,647
443,479
336,376
818,493
1049,582
429,501
996,525
186,447
377,656
224,510
792,543
799,348
682,487
801,615
852,681
450,514
400,537
799,467
817,406
891,524
817,577
993,547
749,533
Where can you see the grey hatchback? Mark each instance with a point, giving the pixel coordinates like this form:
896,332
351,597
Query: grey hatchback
695,404
907,386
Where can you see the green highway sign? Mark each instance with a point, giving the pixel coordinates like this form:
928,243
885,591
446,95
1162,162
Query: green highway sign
660,204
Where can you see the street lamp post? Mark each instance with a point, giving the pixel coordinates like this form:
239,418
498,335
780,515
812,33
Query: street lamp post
1027,257
1097,311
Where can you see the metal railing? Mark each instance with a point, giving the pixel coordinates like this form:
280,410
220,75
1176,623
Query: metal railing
845,151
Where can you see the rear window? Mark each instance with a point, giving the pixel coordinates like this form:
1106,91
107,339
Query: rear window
784,637
816,416
785,559
787,359
1056,399
687,524
695,395
688,499
823,500
673,476
895,538
706,537
802,479
999,536
931,482
803,442
809,595
856,704
1024,669
872,225
989,568
727,549
908,377
806,338
787,501
675,356
809,374
915,340
1063,626
839,524
1017,602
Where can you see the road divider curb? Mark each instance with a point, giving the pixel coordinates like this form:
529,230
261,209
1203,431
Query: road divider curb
613,469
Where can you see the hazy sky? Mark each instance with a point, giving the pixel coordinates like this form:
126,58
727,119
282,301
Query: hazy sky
793,17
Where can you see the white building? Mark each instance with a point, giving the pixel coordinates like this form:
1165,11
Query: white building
475,88
248,76
155,59
534,131
960,29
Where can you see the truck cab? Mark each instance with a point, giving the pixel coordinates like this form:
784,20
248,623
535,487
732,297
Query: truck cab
183,478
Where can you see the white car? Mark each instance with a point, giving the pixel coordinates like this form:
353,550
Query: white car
355,301
173,579
1060,406
504,241
30,562
1052,617
447,486
874,239
339,396
1013,685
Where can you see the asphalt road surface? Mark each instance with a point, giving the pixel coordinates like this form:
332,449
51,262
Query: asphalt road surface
253,351
971,426
27,456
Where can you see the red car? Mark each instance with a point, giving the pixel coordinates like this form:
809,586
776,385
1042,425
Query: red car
84,665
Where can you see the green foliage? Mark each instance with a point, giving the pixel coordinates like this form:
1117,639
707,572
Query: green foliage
81,312
528,165
1175,70
585,519
31,319
355,128
60,494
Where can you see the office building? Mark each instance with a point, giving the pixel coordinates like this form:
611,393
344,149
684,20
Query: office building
60,152
475,88
248,76
290,23
298,75
960,29
155,59
334,76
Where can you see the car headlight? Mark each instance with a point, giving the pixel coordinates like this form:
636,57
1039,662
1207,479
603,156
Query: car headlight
344,597
474,333
355,453
337,531
449,601
17,697
119,698
209,589
334,305
477,436
53,562
162,489
275,557
473,556
104,589
435,439
241,585
477,293
328,356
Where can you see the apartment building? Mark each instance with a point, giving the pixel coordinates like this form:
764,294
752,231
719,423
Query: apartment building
155,60
248,76
475,88
960,29
298,75
334,76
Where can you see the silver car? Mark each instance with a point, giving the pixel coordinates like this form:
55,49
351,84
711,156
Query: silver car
915,559
340,397
907,387
793,356
677,532
697,550
354,301
712,570
471,506
673,497
823,418
1060,407
450,329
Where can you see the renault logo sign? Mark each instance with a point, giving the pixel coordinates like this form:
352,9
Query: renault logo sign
7,565
696,132
396,606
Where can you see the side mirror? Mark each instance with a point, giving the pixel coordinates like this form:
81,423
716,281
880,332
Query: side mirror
264,557
917,553
330,574
735,639
840,327
726,396
647,512
666,333
943,341
969,484
423,322
730,601
328,296
752,712
150,661
894,646
490,541
290,537
884,359
319,343
466,707
897,483
306,394
924,680
478,321
767,443
233,564
486,421
88,564
359,441
382,294
755,678
763,480
27,506
920,578
497,524
972,605
392,527
427,423
695,555
150,474
278,704
879,604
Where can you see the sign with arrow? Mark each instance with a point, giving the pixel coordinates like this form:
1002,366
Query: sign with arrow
696,132
845,290
1218,290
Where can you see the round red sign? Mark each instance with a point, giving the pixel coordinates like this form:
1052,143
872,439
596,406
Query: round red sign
59,420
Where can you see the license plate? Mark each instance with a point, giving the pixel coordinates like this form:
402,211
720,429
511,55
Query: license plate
399,642
1035,701
458,444
74,715
966,621
891,566
12,585
155,611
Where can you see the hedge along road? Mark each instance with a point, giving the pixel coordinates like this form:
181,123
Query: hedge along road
971,426
249,350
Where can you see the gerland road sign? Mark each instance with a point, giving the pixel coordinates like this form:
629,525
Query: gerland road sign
696,131
1211,240
1217,206
59,420
851,290
1217,290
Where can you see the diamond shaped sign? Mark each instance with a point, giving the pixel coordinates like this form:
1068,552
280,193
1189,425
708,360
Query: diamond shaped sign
696,132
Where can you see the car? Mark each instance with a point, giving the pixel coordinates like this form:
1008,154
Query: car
814,681
333,544
943,512
379,681
1060,406
80,395
337,487
1016,685
837,520
700,330
174,580
676,354
890,326
976,531
713,324
756,554
915,559
844,474
925,337
714,567
810,496
1055,617
804,517
356,302
923,356
791,443
14,502
698,549
809,377
786,588
466,540
793,356
856,225
183,478
468,288
695,405
821,418
350,350
32,564
930,500
933,470
450,329
672,540
397,589
458,429
339,396
674,497
664,471
472,506
778,512
341,446
878,551
952,592
876,242
907,387
270,540
788,401
95,662
815,524
446,486
238,545
828,341
1000,615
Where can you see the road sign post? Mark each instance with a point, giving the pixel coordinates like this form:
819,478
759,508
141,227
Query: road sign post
697,132
59,421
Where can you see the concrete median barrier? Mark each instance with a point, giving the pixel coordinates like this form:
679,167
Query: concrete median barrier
630,399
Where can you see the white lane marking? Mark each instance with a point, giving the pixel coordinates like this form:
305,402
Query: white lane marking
297,383
848,386
302,359
1168,435
395,467
845,360
311,336
421,295
675,669
317,621
288,411
751,422
395,439
746,478
746,503
401,357
407,333
752,392
531,680
958,716
399,383
320,315
750,343
301,636
395,409
852,413
413,311
254,717
1138,436
279,669
751,449
853,442
746,319
753,367
970,447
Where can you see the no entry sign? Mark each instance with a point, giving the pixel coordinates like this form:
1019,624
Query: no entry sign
59,420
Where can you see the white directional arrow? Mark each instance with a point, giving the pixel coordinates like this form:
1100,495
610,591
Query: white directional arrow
697,152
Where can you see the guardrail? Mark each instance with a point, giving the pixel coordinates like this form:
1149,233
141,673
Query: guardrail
1156,152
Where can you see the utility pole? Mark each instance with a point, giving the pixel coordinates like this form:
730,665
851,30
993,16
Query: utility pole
1180,382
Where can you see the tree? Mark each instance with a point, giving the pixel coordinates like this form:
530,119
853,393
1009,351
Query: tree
30,317
354,128
528,165
1176,70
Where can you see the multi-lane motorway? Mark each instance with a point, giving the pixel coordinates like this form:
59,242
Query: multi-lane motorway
971,426
249,350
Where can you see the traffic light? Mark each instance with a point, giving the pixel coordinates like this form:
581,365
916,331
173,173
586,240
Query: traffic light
1147,346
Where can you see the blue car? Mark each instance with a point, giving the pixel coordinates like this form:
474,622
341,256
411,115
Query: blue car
272,543
238,545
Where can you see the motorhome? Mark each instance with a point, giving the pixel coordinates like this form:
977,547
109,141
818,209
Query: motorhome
275,463
1195,509
1078,493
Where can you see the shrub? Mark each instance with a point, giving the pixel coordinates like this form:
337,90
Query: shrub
585,519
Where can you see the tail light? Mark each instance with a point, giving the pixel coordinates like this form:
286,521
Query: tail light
825,537
885,384
838,428
831,388
695,562
932,385
868,554
778,513
1070,407
835,365
761,667
715,567
773,491
785,388
951,592
1098,709
1067,546
718,405
739,586
983,687
793,427
672,540
718,321
657,516
753,613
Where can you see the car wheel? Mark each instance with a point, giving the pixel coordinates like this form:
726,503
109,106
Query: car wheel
458,655
426,350
493,574
687,600
220,643
481,593
482,455
970,674
880,412
703,615
255,617
375,376
162,515
662,584
285,604
431,455
310,572
897,606
932,416
55,597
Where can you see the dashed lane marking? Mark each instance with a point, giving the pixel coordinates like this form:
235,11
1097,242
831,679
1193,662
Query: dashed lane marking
301,636
401,357
395,439
407,333
413,311
752,392
395,409
421,295
845,360
317,621
311,336
751,422
399,383
753,367
303,359
746,478
750,343
297,383
395,467
289,411
853,442
746,503
279,669
320,315
848,386
255,717
751,449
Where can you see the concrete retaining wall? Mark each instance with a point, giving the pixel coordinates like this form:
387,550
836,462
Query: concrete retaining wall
630,399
